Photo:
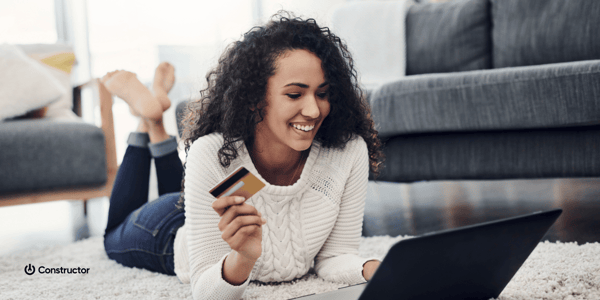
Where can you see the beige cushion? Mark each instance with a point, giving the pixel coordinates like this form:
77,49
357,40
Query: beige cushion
25,85
58,59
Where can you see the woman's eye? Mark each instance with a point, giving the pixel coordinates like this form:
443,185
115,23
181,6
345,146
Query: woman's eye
293,96
322,95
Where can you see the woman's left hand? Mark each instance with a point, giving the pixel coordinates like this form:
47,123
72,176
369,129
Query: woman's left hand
369,269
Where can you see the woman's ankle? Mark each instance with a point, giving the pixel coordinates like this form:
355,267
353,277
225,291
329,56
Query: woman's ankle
142,126
156,131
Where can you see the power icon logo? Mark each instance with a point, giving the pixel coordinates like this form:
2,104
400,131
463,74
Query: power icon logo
29,270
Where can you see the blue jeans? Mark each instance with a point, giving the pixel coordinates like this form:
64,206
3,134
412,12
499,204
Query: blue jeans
141,233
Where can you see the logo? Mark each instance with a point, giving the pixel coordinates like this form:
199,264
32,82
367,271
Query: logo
29,270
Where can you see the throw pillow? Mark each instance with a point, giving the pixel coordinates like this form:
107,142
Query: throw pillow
451,36
537,32
59,60
24,84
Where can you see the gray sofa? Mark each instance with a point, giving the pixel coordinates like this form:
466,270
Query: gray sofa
47,160
499,89
42,155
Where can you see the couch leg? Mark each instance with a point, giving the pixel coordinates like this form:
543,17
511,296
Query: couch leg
82,231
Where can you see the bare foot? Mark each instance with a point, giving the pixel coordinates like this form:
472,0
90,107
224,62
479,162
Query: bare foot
164,78
127,86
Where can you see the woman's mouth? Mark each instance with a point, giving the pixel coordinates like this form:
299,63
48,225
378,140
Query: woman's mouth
305,128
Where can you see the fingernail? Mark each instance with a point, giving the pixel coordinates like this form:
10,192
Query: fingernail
264,220
239,199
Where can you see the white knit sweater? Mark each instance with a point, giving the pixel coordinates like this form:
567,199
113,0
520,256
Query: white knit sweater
317,219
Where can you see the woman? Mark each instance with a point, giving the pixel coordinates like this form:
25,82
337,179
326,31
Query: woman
284,103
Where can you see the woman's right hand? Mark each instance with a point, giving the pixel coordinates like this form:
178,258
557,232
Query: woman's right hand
241,226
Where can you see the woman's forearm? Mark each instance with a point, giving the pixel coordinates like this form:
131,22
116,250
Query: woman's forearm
236,268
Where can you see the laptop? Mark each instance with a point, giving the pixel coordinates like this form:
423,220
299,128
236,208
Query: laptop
471,262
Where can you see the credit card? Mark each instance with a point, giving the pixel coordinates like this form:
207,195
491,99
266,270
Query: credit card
240,182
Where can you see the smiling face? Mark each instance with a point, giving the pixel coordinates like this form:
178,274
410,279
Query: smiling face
296,102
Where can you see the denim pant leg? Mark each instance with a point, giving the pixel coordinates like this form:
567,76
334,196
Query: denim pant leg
169,169
145,239
141,233
130,190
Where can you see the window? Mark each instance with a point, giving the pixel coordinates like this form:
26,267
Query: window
27,22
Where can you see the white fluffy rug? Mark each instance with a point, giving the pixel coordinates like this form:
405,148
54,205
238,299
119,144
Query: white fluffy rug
553,271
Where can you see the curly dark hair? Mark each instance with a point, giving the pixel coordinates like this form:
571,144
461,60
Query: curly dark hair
234,100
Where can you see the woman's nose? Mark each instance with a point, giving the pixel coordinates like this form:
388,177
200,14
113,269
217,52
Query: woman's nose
310,108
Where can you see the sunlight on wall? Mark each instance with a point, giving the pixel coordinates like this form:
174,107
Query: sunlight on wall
126,34
27,22
319,10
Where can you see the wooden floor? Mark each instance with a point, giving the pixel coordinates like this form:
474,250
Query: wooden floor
418,208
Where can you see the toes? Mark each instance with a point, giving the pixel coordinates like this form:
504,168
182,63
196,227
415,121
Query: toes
165,67
108,76
127,73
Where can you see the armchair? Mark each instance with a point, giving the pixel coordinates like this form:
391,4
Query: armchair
44,160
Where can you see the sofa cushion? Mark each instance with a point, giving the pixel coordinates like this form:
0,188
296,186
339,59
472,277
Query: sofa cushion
547,96
448,37
39,155
538,32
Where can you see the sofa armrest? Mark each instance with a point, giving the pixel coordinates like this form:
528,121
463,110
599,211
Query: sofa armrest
77,99
108,127
105,101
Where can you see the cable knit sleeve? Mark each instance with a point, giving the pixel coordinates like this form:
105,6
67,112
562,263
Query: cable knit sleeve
338,259
206,248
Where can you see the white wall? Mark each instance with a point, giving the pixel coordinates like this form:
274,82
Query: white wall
320,10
